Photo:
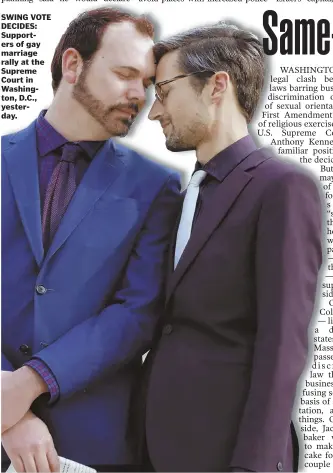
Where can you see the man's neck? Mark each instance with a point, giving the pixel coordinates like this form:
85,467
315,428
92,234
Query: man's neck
207,150
73,122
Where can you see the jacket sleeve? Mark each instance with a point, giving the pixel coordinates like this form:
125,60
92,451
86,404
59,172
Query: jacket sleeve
124,330
288,258
6,364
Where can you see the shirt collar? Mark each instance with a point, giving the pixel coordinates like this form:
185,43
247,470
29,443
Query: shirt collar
49,139
224,162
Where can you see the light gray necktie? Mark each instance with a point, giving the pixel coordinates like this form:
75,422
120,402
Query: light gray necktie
186,220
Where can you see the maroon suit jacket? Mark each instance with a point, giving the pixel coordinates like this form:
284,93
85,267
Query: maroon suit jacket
234,340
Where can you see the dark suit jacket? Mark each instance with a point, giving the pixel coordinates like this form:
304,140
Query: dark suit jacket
234,341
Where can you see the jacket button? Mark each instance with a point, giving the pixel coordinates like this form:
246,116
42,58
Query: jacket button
279,466
25,349
167,329
41,290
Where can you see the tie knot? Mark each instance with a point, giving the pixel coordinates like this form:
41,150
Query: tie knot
70,152
197,178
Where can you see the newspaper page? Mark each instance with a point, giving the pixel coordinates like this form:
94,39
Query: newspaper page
295,116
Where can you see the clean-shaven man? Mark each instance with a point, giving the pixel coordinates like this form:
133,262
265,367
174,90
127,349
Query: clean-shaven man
242,272
85,231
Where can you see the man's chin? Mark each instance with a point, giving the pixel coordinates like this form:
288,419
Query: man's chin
177,148
121,129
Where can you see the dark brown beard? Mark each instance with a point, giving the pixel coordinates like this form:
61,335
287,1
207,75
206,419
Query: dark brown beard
97,109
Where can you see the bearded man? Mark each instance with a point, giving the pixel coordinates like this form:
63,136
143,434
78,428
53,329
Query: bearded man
85,231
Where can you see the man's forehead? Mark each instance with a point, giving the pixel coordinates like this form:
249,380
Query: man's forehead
123,46
168,67
124,30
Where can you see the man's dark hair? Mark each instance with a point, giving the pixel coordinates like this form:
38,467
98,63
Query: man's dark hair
221,47
85,34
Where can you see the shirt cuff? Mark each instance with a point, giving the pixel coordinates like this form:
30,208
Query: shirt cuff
44,371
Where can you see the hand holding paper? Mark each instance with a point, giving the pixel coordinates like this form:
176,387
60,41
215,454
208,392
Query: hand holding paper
66,466
30,447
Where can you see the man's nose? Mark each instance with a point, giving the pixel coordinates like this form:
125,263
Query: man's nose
156,110
137,92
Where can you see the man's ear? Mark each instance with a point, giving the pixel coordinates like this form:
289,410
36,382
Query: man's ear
219,86
71,65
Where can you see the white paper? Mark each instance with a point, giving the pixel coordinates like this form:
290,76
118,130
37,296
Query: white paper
66,466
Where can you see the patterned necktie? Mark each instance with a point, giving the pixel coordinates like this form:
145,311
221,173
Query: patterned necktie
59,191
186,220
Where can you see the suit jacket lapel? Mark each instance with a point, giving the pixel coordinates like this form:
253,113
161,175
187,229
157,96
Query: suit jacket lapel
22,163
104,169
224,197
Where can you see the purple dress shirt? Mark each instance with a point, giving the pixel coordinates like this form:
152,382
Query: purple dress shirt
49,143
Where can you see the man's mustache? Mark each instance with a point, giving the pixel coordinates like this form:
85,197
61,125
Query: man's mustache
127,106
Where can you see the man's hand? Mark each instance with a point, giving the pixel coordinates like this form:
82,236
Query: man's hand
18,391
30,447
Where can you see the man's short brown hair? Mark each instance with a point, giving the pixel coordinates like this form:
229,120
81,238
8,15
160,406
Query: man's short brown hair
85,34
221,47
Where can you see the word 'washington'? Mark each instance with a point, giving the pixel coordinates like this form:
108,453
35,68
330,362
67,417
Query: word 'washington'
307,69
298,36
